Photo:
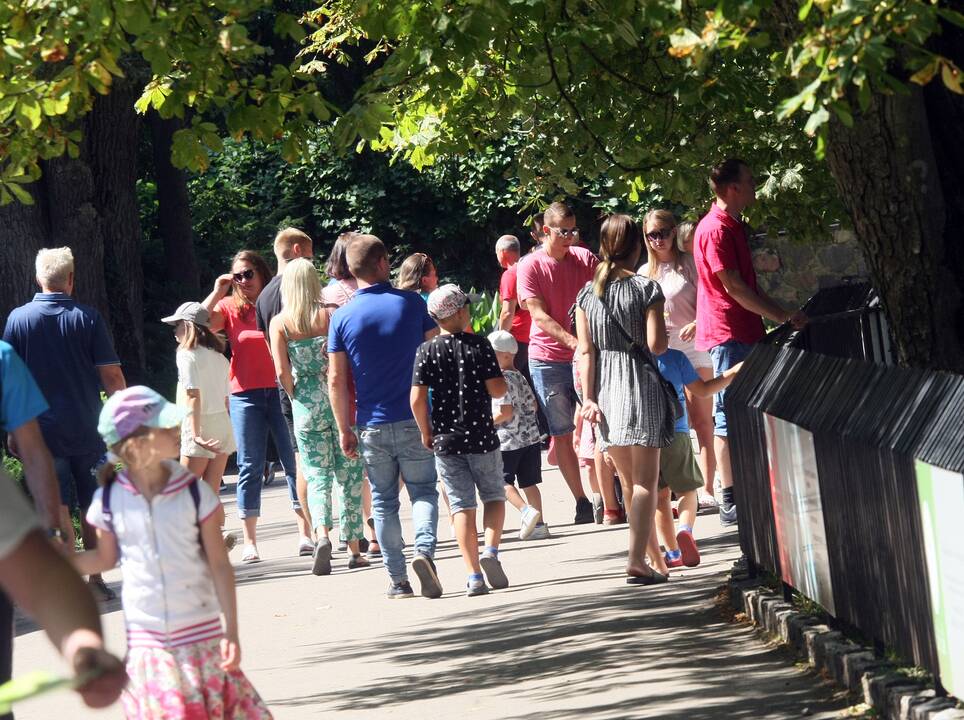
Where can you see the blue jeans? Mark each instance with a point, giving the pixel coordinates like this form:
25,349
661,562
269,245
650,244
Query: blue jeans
725,356
254,414
387,450
555,389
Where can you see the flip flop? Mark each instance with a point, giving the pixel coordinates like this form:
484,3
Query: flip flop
654,579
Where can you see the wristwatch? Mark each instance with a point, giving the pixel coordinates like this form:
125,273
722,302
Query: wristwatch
55,534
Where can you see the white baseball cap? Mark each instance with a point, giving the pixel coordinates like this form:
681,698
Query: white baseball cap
502,341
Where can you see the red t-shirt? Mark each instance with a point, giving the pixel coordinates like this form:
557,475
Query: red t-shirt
251,364
556,282
522,320
720,243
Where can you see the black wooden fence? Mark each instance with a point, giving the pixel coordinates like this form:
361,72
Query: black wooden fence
867,423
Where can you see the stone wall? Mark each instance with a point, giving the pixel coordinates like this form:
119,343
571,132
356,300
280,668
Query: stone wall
791,271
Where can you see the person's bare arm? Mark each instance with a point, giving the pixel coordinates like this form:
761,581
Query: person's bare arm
100,559
537,308
587,368
656,337
418,399
506,314
42,582
279,353
755,302
111,378
503,416
27,443
497,387
340,395
797,318
222,574
221,286
707,388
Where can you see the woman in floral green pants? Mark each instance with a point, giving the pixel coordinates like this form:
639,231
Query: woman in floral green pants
298,337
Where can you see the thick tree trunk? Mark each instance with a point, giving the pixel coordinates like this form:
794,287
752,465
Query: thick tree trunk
174,212
111,139
22,232
892,175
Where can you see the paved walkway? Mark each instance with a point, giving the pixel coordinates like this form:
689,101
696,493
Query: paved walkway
567,640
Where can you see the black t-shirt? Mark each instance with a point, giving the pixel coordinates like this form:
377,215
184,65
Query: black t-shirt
269,304
469,428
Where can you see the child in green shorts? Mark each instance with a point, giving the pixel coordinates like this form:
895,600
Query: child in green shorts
678,470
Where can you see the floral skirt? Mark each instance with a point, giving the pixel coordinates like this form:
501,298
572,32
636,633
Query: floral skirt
187,683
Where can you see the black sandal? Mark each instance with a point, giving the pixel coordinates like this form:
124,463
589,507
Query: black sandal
654,579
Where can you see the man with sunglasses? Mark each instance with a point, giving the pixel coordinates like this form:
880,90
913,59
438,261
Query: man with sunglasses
548,282
729,304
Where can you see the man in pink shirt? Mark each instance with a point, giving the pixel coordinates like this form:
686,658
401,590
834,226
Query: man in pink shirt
729,304
548,282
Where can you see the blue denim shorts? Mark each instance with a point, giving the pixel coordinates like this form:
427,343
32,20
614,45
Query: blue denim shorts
463,474
556,391
724,357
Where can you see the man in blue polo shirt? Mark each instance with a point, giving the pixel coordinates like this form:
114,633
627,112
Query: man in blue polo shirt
374,338
69,352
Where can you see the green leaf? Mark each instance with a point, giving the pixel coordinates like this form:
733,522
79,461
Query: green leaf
21,194
805,10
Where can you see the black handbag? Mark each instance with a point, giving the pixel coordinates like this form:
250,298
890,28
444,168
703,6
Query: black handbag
670,398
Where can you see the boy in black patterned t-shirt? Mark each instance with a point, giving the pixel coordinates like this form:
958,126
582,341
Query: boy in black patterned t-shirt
462,372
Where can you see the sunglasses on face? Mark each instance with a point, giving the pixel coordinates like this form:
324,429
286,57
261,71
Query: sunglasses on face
244,275
565,232
659,234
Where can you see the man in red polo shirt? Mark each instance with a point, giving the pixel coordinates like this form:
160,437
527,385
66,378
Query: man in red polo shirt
729,304
513,317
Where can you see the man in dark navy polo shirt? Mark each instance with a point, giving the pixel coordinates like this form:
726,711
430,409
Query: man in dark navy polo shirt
68,350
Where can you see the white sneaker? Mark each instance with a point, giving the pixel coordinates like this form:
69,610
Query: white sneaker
250,554
540,532
306,546
530,517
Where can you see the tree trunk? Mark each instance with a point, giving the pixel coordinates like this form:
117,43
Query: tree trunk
111,139
174,212
22,232
892,169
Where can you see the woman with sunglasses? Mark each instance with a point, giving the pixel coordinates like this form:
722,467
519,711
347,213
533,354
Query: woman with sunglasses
254,401
675,271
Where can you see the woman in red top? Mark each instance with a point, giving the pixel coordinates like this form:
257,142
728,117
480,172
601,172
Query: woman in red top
254,401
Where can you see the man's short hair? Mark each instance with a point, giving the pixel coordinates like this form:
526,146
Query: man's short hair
508,243
364,252
54,266
556,212
287,238
726,173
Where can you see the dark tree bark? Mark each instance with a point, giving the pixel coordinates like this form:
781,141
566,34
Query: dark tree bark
111,138
22,233
899,173
174,211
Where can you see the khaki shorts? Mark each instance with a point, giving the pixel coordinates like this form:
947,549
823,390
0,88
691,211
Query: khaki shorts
215,426
677,466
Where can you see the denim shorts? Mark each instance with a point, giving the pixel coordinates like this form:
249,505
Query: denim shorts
76,477
462,474
725,356
556,391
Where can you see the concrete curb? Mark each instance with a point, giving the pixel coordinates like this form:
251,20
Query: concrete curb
854,667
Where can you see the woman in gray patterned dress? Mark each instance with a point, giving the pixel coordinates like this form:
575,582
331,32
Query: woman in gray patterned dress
622,392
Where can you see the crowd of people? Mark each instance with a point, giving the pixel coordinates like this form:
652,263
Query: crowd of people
366,388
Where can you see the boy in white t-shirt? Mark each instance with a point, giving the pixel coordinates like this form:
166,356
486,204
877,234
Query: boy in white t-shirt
514,416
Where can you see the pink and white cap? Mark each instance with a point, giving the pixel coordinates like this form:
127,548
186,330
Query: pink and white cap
128,410
447,300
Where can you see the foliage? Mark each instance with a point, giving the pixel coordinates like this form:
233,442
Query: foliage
192,58
485,312
645,95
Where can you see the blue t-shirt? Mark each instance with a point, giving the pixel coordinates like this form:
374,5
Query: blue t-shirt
63,343
678,369
380,330
22,400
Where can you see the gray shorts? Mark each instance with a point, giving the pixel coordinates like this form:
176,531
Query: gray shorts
463,474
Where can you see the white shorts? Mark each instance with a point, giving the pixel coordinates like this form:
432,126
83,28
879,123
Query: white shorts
216,426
